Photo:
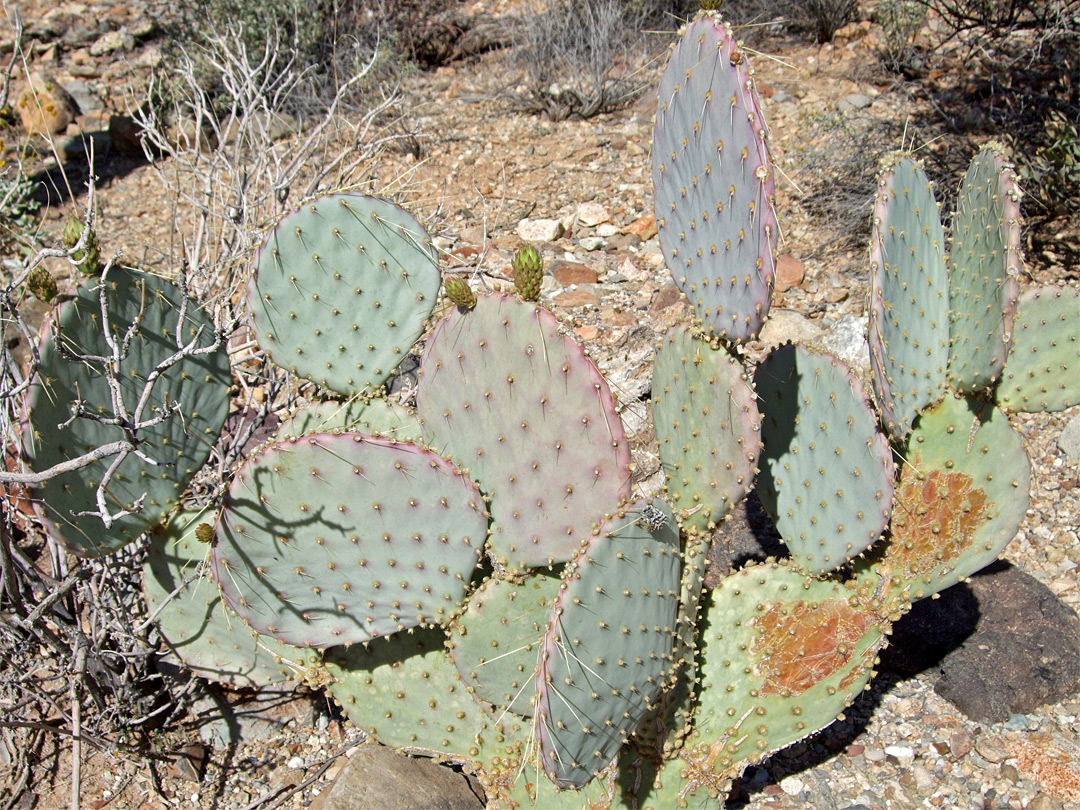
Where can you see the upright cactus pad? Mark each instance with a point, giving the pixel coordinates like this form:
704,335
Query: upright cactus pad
1043,369
826,472
784,655
962,495
342,289
984,262
713,181
514,401
405,692
149,310
909,296
342,538
706,423
606,654
495,642
208,637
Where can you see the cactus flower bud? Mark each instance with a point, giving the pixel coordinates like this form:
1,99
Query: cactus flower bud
528,269
459,293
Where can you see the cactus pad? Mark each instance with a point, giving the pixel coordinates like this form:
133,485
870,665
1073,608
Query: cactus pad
785,655
713,182
606,654
342,289
707,426
1043,369
378,416
341,538
210,640
984,262
172,451
495,642
909,296
827,473
518,405
962,495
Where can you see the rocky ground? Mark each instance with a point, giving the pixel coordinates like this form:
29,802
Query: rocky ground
935,730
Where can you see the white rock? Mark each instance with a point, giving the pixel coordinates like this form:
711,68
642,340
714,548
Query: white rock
607,229
847,340
592,213
592,242
783,325
296,763
791,785
539,230
904,755
1069,440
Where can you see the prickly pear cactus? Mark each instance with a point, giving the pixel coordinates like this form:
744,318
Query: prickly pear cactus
909,296
528,267
341,538
342,290
209,638
1041,373
459,292
984,262
826,472
706,422
378,416
962,496
149,320
607,651
520,406
713,181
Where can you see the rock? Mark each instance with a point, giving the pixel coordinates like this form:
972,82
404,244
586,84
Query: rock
1044,801
855,101
81,147
591,243
569,273
576,298
1003,644
901,753
785,325
45,107
379,778
665,297
1069,440
540,230
644,226
846,338
268,713
591,214
789,272
125,135
608,230
113,41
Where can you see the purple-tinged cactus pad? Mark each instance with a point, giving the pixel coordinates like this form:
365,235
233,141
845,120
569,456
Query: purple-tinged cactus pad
826,472
342,538
707,422
342,290
377,417
909,296
518,405
607,652
1043,370
984,262
713,182
962,495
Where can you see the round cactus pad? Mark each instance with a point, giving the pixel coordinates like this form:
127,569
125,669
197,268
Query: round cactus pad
342,289
342,538
208,637
607,653
515,402
378,417
495,642
826,472
707,424
713,182
649,784
149,319
962,496
782,656
909,296
1043,369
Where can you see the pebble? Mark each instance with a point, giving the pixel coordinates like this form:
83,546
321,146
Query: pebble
990,750
792,785
592,242
904,755
540,230
296,763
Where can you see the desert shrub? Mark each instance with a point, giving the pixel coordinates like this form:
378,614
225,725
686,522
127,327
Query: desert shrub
1051,173
823,17
900,21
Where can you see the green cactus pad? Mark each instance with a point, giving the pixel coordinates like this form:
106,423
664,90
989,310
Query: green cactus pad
962,495
1043,369
650,784
826,472
342,289
984,262
713,182
495,642
784,655
378,417
532,790
210,640
909,296
405,692
607,652
514,401
198,386
707,425
342,538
